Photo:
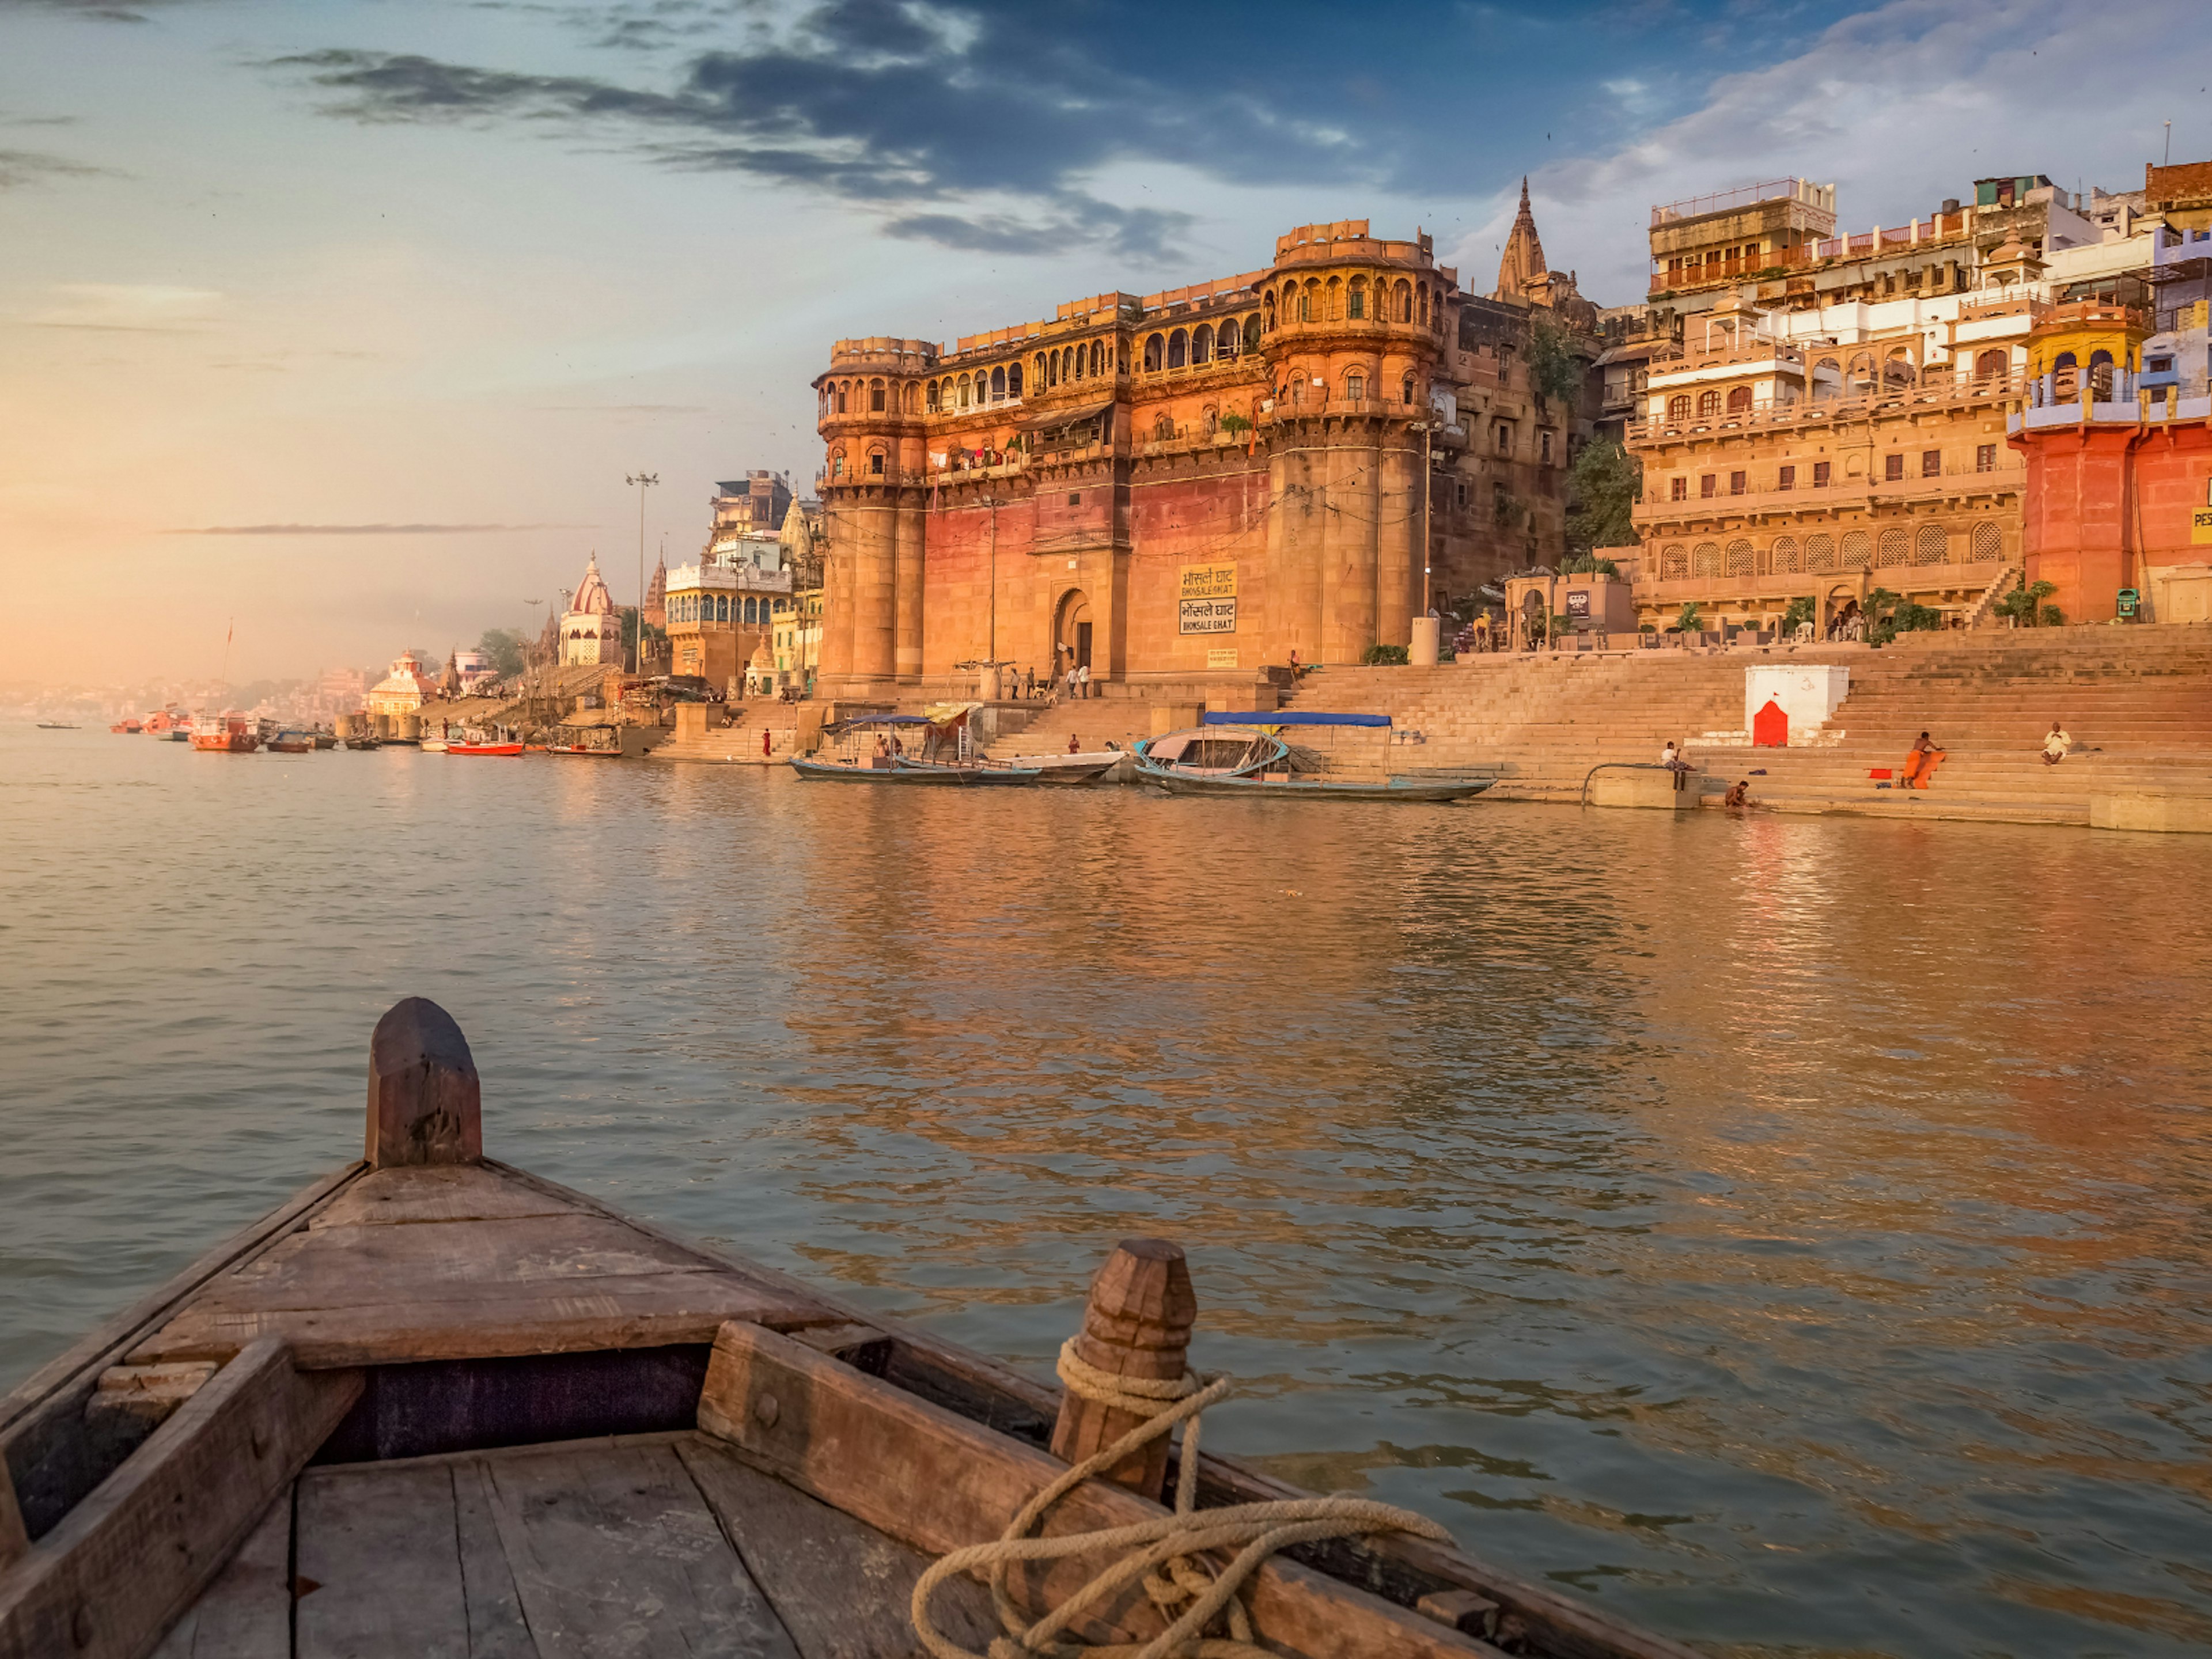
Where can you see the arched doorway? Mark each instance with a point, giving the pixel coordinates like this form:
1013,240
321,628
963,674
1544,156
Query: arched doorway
1071,632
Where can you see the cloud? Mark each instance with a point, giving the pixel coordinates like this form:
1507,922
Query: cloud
977,127
129,308
98,11
366,529
1900,107
19,167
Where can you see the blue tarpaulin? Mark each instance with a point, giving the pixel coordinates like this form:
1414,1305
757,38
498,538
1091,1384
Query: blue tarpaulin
1295,717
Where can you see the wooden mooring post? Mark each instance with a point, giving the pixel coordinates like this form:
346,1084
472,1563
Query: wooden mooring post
1136,1324
425,1105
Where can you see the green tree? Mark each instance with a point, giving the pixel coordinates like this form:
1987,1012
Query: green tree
656,639
1692,621
1800,612
1384,655
1588,564
2027,609
1556,369
504,646
1602,490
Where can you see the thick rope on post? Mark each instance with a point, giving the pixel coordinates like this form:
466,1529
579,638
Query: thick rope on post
1167,1552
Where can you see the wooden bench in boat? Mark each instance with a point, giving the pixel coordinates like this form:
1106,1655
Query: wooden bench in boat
435,1406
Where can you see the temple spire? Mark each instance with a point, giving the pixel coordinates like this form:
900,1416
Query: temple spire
1524,260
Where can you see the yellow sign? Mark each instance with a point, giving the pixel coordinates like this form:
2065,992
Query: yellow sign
2200,525
1221,659
1208,581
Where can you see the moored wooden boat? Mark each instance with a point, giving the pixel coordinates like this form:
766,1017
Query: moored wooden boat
1222,760
226,734
290,742
999,773
880,768
435,1405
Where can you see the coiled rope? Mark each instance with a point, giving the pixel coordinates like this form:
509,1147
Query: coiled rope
1167,1552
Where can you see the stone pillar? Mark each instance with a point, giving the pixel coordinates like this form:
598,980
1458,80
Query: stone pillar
1349,536
1294,515
909,539
1402,521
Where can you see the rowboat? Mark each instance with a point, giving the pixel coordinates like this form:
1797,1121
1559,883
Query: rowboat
1227,760
999,774
433,1404
292,743
878,768
480,745
1085,766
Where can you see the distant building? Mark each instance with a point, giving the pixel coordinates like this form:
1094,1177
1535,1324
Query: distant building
590,628
405,689
474,670
754,505
722,610
656,596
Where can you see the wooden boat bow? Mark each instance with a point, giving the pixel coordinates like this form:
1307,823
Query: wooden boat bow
434,1403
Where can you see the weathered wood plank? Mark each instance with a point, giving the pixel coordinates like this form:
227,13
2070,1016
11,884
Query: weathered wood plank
378,1547
246,1613
937,1482
843,1589
14,1539
497,1629
436,1193
657,1312
617,1555
52,1462
128,1560
128,1402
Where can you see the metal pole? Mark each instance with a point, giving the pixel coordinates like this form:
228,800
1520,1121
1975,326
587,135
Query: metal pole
1428,438
644,481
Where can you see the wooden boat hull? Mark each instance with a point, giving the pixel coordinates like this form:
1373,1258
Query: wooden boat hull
291,746
826,772
1394,789
592,754
983,776
540,1428
226,743
482,748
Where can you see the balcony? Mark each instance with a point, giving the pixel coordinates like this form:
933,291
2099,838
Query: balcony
2008,478
1807,411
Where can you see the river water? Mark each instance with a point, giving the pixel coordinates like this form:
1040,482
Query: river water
1789,1233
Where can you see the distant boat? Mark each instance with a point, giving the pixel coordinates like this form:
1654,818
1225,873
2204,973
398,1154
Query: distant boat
133,727
290,742
325,740
226,734
473,744
1000,773
57,725
879,769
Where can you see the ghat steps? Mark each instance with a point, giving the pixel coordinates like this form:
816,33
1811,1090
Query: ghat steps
738,744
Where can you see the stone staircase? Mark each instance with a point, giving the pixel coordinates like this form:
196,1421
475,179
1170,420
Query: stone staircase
1094,722
2139,700
738,744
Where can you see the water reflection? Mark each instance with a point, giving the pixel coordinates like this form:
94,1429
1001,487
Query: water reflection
1789,1232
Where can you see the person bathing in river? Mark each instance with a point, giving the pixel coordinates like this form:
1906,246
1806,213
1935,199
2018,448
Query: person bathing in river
1738,793
1920,763
2057,746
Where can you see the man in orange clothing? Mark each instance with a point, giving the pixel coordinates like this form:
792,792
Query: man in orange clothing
1920,764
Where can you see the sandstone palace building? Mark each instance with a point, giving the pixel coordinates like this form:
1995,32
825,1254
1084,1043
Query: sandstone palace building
1197,484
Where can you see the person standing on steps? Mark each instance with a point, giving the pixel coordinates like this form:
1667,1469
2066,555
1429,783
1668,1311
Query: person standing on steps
1920,763
764,745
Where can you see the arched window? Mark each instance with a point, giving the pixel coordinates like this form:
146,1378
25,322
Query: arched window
1404,292
913,398
1178,349
1201,344
1013,382
1738,400
1306,301
1897,371
841,397
1678,408
1708,405
876,463
1406,389
875,397
1932,546
1355,387
1674,564
1787,560
2101,373
1827,378
1739,557
836,463
1857,550
1705,559
1156,354
1227,343
963,391
1209,417
1098,356
1423,305
1252,332
1355,299
1820,554
1992,365
1267,311
2065,377
1890,549
1987,543
1859,383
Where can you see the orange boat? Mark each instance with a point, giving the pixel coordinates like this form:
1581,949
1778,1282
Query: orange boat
226,734
484,748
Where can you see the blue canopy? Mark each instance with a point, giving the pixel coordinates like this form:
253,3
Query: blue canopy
889,719
1295,717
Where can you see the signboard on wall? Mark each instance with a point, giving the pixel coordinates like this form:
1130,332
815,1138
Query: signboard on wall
1578,603
1206,598
1218,657
2200,525
1207,582
1205,617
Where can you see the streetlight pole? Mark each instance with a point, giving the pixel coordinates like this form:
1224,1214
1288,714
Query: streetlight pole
644,481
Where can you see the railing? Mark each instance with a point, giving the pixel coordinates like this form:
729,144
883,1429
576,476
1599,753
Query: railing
1773,190
1804,411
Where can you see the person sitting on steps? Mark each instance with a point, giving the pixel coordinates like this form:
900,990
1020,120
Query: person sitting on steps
2057,746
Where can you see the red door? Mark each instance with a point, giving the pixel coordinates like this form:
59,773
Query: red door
1770,727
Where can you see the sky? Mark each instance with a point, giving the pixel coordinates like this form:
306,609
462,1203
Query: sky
336,329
